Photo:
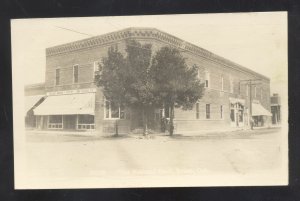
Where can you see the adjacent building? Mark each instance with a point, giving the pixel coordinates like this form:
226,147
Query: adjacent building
73,102
275,109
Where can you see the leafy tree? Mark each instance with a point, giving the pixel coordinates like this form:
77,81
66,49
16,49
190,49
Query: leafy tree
176,84
125,79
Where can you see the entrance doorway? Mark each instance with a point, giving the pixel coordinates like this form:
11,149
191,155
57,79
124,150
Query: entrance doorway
69,122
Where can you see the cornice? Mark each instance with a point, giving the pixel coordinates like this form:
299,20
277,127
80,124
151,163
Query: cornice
147,33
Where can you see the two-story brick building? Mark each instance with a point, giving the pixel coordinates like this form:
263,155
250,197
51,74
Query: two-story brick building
73,101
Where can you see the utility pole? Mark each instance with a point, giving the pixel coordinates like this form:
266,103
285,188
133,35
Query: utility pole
250,82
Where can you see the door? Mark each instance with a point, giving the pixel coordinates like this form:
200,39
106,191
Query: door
69,122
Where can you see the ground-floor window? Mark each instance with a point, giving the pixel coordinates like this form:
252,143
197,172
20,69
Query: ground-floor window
55,122
114,110
232,115
197,111
207,111
85,122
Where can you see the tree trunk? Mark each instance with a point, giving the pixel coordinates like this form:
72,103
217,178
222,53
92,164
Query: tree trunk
145,121
171,130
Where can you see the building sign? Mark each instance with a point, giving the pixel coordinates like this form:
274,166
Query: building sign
74,91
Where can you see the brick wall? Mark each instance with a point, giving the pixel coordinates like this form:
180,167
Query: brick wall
185,120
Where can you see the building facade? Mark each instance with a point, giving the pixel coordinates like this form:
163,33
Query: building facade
73,102
276,109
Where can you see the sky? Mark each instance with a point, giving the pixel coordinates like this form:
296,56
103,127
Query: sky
257,41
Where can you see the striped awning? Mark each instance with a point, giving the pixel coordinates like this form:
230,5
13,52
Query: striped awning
69,104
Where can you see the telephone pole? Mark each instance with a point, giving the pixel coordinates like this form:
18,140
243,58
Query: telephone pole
250,82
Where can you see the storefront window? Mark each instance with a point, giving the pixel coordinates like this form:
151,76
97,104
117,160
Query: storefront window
55,122
85,122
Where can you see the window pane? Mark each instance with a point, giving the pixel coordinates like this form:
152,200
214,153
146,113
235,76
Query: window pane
55,119
75,73
114,110
85,119
207,111
107,109
57,76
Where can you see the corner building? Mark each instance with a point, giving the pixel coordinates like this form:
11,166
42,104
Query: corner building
73,102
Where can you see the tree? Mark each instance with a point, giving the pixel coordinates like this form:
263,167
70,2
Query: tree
176,84
125,79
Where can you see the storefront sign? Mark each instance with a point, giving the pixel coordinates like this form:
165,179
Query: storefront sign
75,91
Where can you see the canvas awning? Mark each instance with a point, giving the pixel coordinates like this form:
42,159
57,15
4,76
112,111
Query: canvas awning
31,101
83,103
237,100
259,110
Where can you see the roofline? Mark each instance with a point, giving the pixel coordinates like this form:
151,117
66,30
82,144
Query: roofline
134,32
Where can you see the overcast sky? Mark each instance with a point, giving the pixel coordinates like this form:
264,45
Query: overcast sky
257,41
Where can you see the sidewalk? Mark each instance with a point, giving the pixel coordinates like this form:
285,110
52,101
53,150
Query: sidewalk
199,133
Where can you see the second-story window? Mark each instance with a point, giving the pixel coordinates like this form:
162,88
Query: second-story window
222,83
207,79
97,67
75,74
57,76
231,86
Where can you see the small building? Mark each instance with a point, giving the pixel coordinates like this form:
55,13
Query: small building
73,102
275,108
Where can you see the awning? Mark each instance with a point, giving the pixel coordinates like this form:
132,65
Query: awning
259,110
31,101
83,103
237,100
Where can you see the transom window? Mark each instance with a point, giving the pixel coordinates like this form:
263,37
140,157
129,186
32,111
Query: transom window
113,110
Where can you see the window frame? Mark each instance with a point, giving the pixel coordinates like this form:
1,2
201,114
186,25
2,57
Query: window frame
109,111
84,126
57,78
197,111
207,79
75,65
53,125
207,111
